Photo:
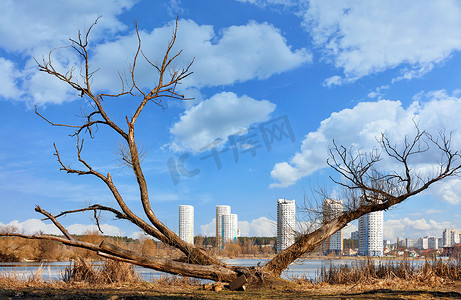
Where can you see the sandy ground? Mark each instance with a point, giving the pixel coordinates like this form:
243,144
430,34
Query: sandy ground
377,290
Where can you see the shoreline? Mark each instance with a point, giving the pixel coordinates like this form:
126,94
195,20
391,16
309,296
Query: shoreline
323,257
262,257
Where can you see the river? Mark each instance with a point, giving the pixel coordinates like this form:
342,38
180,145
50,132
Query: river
303,268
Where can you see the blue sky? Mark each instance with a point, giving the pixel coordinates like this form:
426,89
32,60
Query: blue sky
275,81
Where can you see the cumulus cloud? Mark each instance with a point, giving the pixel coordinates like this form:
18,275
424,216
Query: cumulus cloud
8,87
58,25
34,226
360,126
235,54
106,229
36,36
333,80
357,126
258,227
364,37
378,92
449,191
406,227
208,229
215,119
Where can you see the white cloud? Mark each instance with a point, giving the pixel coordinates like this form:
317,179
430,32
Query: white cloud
235,54
35,226
26,32
216,119
41,88
26,26
263,3
32,226
409,73
413,228
449,191
364,37
258,227
360,126
378,92
208,229
136,235
432,211
333,80
107,229
348,230
8,76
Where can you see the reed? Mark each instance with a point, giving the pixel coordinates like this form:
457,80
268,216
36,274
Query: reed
110,272
12,279
366,271
177,281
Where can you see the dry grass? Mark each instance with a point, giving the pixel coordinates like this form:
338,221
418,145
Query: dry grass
16,280
180,281
110,272
430,272
432,280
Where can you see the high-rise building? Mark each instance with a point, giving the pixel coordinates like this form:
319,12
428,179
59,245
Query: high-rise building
423,243
186,223
334,243
355,235
433,243
411,243
220,210
451,237
371,234
285,223
229,228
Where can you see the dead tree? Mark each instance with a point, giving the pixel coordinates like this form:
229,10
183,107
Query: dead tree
361,176
370,189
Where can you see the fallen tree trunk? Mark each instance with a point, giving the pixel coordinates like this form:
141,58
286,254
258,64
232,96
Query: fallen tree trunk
213,272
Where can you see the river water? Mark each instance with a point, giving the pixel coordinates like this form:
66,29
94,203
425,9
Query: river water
303,268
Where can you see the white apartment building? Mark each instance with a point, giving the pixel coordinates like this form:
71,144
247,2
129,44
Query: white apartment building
220,211
371,234
229,228
451,237
355,235
423,243
286,223
186,223
332,209
432,243
411,243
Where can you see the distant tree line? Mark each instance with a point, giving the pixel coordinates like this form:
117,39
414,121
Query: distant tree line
14,249
350,244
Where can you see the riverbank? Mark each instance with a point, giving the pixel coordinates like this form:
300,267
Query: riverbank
388,289
115,280
322,257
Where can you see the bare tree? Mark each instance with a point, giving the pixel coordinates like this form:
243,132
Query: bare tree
372,189
369,188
